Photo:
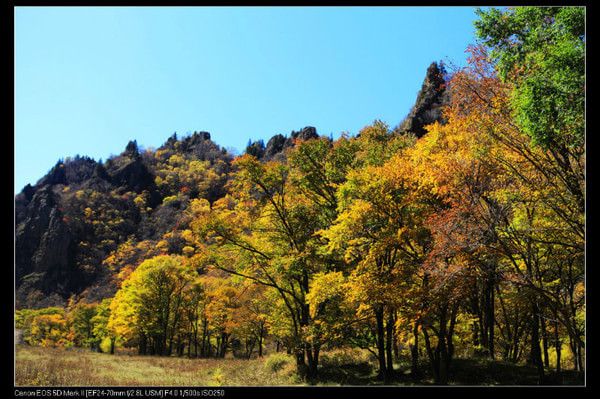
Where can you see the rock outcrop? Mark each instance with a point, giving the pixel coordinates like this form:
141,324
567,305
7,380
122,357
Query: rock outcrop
81,210
430,101
134,176
277,144
44,252
307,133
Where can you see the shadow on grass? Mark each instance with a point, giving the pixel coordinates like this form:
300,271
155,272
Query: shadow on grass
490,372
346,374
463,372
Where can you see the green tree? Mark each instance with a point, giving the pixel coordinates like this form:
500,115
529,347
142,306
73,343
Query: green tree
148,306
541,50
82,325
100,325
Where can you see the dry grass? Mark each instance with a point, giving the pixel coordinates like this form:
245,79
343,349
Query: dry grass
59,367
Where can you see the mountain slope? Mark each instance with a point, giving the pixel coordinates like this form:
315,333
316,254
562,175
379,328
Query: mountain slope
86,224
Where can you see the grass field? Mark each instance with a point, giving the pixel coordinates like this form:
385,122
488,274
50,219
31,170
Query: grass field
58,367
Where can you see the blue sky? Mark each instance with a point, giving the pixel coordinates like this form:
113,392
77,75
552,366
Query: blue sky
89,79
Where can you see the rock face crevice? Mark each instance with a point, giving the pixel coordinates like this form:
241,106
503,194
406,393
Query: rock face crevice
44,251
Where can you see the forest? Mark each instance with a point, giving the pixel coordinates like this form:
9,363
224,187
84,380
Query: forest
463,239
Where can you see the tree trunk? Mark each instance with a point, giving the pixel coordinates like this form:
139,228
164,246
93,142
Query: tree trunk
414,353
224,342
442,351
573,347
380,342
483,320
580,356
301,368
389,350
491,318
434,360
516,340
536,353
449,347
170,347
204,349
557,345
395,337
189,347
161,345
249,345
142,345
475,332
544,342
313,361
260,342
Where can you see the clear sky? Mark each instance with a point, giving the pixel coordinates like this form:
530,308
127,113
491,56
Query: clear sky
89,79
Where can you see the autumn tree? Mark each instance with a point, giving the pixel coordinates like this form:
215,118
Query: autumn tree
148,305
539,53
266,228
380,231
43,327
49,330
251,318
514,202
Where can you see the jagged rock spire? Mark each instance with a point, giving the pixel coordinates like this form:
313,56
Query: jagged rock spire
430,100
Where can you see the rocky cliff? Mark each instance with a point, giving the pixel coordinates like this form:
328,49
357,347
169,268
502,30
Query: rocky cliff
429,103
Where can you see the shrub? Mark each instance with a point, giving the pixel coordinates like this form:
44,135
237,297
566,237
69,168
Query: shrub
217,378
277,361
342,357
